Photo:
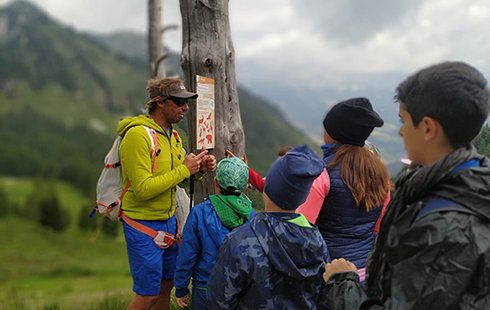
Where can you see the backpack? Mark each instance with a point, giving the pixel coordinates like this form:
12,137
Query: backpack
110,192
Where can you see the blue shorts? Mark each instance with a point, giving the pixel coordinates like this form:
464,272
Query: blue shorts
149,264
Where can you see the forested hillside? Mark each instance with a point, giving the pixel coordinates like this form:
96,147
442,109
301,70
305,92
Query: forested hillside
482,141
62,92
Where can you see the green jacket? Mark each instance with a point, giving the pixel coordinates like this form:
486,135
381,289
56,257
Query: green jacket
151,196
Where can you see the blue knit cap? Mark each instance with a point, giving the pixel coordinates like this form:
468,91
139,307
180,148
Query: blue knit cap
289,180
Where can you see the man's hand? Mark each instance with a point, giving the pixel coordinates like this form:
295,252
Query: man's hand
193,162
338,266
208,163
182,301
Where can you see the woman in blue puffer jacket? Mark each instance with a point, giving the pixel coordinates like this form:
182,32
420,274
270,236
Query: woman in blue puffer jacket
348,202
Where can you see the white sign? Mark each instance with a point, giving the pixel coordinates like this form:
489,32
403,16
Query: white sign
205,117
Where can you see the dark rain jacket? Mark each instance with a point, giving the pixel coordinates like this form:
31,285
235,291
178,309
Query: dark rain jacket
440,260
269,263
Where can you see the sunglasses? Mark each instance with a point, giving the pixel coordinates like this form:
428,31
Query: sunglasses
179,101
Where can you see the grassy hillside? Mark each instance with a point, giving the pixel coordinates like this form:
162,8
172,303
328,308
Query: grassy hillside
74,269
41,267
45,268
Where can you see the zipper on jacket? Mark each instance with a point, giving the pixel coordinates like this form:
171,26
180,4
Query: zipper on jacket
171,167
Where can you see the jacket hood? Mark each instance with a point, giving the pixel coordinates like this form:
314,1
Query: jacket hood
476,195
140,120
327,149
296,251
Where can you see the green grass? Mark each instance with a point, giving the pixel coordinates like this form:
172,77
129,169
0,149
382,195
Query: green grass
71,270
43,269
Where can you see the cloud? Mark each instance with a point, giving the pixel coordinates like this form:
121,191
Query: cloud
409,35
353,21
341,44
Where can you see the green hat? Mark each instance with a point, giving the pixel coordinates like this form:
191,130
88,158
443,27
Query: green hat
232,174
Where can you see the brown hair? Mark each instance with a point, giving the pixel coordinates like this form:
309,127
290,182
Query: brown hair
363,173
283,150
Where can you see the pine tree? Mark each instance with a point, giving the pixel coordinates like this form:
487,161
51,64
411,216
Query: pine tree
5,207
51,214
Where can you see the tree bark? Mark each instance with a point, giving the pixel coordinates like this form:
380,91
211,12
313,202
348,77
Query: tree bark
207,50
155,44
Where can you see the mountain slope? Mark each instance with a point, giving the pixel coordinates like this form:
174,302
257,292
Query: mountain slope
60,95
62,92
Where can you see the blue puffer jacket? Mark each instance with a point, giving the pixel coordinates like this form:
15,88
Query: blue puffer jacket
203,235
348,229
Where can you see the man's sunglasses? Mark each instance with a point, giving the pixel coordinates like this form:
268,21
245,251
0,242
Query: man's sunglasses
179,101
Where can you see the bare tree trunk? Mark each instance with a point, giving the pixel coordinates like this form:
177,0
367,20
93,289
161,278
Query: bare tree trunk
207,50
155,44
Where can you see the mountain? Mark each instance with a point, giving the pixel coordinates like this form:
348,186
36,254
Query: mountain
266,128
307,105
62,92
304,107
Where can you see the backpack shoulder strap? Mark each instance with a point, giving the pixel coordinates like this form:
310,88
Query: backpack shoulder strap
155,151
441,205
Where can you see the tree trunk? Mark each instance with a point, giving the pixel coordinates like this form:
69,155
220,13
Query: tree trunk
207,50
155,44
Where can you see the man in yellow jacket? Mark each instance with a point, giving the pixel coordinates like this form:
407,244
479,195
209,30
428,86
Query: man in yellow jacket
150,199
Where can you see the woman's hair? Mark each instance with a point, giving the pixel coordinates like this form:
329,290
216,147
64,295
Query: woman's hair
283,150
363,173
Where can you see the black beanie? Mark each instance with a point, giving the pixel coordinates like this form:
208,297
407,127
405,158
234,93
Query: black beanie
351,121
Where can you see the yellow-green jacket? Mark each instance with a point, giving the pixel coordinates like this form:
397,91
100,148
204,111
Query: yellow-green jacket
151,196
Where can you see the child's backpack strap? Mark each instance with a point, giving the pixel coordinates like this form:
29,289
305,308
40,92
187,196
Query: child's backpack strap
441,205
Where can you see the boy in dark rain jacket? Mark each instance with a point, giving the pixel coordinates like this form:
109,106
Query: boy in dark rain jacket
276,260
433,249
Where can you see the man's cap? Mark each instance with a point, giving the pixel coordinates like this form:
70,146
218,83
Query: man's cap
179,91
289,180
352,121
232,174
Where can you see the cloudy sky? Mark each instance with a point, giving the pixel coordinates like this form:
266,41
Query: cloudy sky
315,45
320,41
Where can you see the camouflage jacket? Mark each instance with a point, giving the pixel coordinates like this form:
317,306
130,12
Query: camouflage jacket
269,263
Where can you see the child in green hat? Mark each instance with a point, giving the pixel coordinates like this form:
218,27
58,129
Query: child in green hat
206,228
